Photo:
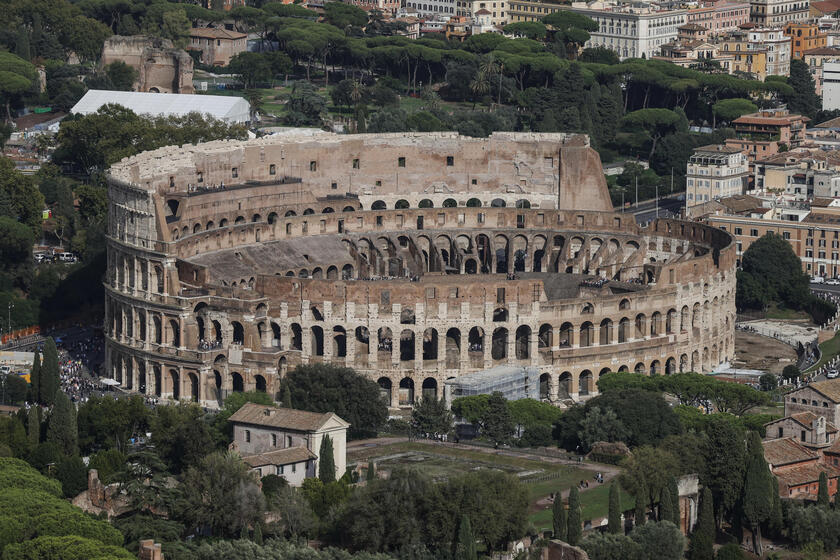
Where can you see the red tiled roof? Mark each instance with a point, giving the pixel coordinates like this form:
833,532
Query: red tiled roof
276,417
213,33
285,456
806,474
786,451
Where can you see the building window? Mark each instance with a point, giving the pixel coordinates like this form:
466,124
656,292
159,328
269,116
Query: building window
738,231
356,163
802,435
234,172
273,440
288,441
313,166
781,432
247,436
450,161
786,234
272,169
279,470
401,162
754,232
294,467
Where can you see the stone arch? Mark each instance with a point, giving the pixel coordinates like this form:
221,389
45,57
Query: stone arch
523,203
641,326
670,366
640,368
174,382
385,341
473,203
565,385
407,352
523,342
587,334
453,348
498,349
623,330
500,315
339,342
586,383
655,367
605,332
696,366
450,203
430,344
238,336
192,379
317,340
655,323
237,383
272,218
426,203
332,273
544,386
260,384
683,363
297,337
402,204
671,321
497,203
565,335
429,388
385,388
406,391
475,346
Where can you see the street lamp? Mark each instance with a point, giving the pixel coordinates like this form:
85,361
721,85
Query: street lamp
11,306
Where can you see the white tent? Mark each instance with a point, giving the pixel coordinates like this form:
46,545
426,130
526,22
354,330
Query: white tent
226,108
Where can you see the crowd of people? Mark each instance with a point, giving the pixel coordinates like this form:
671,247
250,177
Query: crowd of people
594,282
205,345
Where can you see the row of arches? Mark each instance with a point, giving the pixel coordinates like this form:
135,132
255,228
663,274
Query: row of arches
474,202
128,273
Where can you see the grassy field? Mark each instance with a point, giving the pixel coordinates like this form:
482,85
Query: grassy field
540,478
829,349
594,505
786,314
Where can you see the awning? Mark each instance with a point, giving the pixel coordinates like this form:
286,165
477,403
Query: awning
110,382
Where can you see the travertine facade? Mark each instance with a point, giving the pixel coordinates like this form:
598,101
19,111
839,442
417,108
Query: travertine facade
392,254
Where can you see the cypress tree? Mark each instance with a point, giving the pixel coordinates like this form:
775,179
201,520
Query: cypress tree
371,471
614,518
33,427
822,495
287,397
326,461
559,518
22,44
575,529
666,508
62,425
258,538
758,490
243,533
35,378
675,501
465,544
50,376
703,537
640,514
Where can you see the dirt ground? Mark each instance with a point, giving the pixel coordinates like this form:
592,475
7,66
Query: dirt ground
753,351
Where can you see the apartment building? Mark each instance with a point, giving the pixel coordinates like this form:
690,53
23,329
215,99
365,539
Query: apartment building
802,175
634,31
776,13
831,86
217,46
531,10
759,135
804,37
719,17
812,230
716,171
815,59
387,7
696,54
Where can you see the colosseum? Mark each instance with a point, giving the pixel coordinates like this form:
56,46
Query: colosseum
413,258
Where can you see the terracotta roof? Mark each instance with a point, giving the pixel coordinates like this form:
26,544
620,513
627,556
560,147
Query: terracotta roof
826,6
806,474
280,457
692,27
823,51
785,451
833,123
830,388
741,203
213,33
830,157
276,417
757,119
807,420
718,148
482,11
821,218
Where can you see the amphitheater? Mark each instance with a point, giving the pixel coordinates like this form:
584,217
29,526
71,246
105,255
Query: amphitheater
413,258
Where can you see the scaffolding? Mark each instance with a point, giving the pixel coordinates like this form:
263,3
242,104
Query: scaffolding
512,382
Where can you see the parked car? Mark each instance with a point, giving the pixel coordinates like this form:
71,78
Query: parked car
67,257
833,282
817,280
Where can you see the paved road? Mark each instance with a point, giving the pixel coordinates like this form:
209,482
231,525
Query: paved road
646,211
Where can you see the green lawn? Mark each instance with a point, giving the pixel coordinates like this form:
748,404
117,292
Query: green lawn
594,505
786,314
829,349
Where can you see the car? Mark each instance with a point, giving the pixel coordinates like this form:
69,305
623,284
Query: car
833,374
833,282
817,280
67,257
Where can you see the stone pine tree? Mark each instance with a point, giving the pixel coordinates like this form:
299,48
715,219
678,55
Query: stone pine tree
371,471
666,508
559,518
35,378
758,491
614,517
703,537
33,427
575,529
465,544
674,489
822,495
50,380
326,461
640,513
61,429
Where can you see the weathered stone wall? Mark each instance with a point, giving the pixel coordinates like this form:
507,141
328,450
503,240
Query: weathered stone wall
160,67
213,291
